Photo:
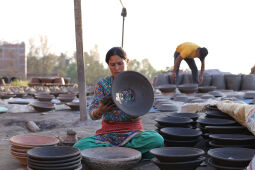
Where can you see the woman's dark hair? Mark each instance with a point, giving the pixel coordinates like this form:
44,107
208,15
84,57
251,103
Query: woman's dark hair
115,51
203,53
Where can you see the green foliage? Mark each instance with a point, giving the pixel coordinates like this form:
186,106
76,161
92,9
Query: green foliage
94,70
18,83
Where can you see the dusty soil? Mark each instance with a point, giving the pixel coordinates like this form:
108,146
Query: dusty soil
55,123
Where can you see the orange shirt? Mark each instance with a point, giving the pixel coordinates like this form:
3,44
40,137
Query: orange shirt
187,50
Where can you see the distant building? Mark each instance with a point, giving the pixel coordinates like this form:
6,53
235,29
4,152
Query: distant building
13,62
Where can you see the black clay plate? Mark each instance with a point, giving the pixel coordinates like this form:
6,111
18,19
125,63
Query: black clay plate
179,133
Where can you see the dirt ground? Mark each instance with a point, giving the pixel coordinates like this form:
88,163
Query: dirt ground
55,123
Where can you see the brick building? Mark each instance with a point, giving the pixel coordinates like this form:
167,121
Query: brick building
13,62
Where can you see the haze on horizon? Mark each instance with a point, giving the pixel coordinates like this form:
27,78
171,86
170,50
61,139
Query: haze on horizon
153,28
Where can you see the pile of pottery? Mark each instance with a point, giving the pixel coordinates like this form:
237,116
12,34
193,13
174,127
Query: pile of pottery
164,104
20,144
177,158
230,158
68,97
110,158
54,158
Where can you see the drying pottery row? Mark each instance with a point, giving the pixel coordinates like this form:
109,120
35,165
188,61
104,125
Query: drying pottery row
177,158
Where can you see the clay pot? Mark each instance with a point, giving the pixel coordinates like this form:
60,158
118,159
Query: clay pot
188,88
233,82
67,80
207,80
187,78
162,79
248,82
218,81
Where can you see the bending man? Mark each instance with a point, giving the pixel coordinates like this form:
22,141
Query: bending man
188,51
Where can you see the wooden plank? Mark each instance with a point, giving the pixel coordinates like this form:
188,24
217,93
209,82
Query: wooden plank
80,61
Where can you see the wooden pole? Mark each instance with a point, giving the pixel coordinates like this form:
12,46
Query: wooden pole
80,61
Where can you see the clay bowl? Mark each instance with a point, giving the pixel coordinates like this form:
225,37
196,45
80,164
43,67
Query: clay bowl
166,87
206,89
18,102
178,133
140,93
74,105
211,162
7,96
225,129
188,88
192,116
215,122
217,114
233,157
108,158
167,107
190,165
62,166
20,150
159,126
65,99
232,139
181,143
215,145
42,106
45,97
174,121
216,93
22,160
19,154
53,152
60,161
32,140
249,95
177,154
79,168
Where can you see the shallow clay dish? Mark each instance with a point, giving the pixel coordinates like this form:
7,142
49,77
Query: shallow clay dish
225,129
189,165
108,158
60,161
188,88
215,145
232,139
42,106
53,152
181,143
176,154
217,114
233,157
130,91
74,105
32,140
7,96
206,89
51,165
59,167
166,87
179,133
220,167
192,116
18,102
174,121
215,122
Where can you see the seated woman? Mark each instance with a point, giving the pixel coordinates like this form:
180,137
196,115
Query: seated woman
118,128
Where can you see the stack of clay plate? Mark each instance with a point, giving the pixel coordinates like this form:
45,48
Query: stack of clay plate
230,158
20,144
170,121
177,158
179,136
54,158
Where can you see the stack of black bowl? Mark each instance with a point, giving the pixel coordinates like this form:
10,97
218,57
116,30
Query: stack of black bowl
170,121
230,158
203,123
54,158
179,136
232,140
177,158
192,116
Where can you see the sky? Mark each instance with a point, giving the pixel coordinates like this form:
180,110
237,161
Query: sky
153,28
